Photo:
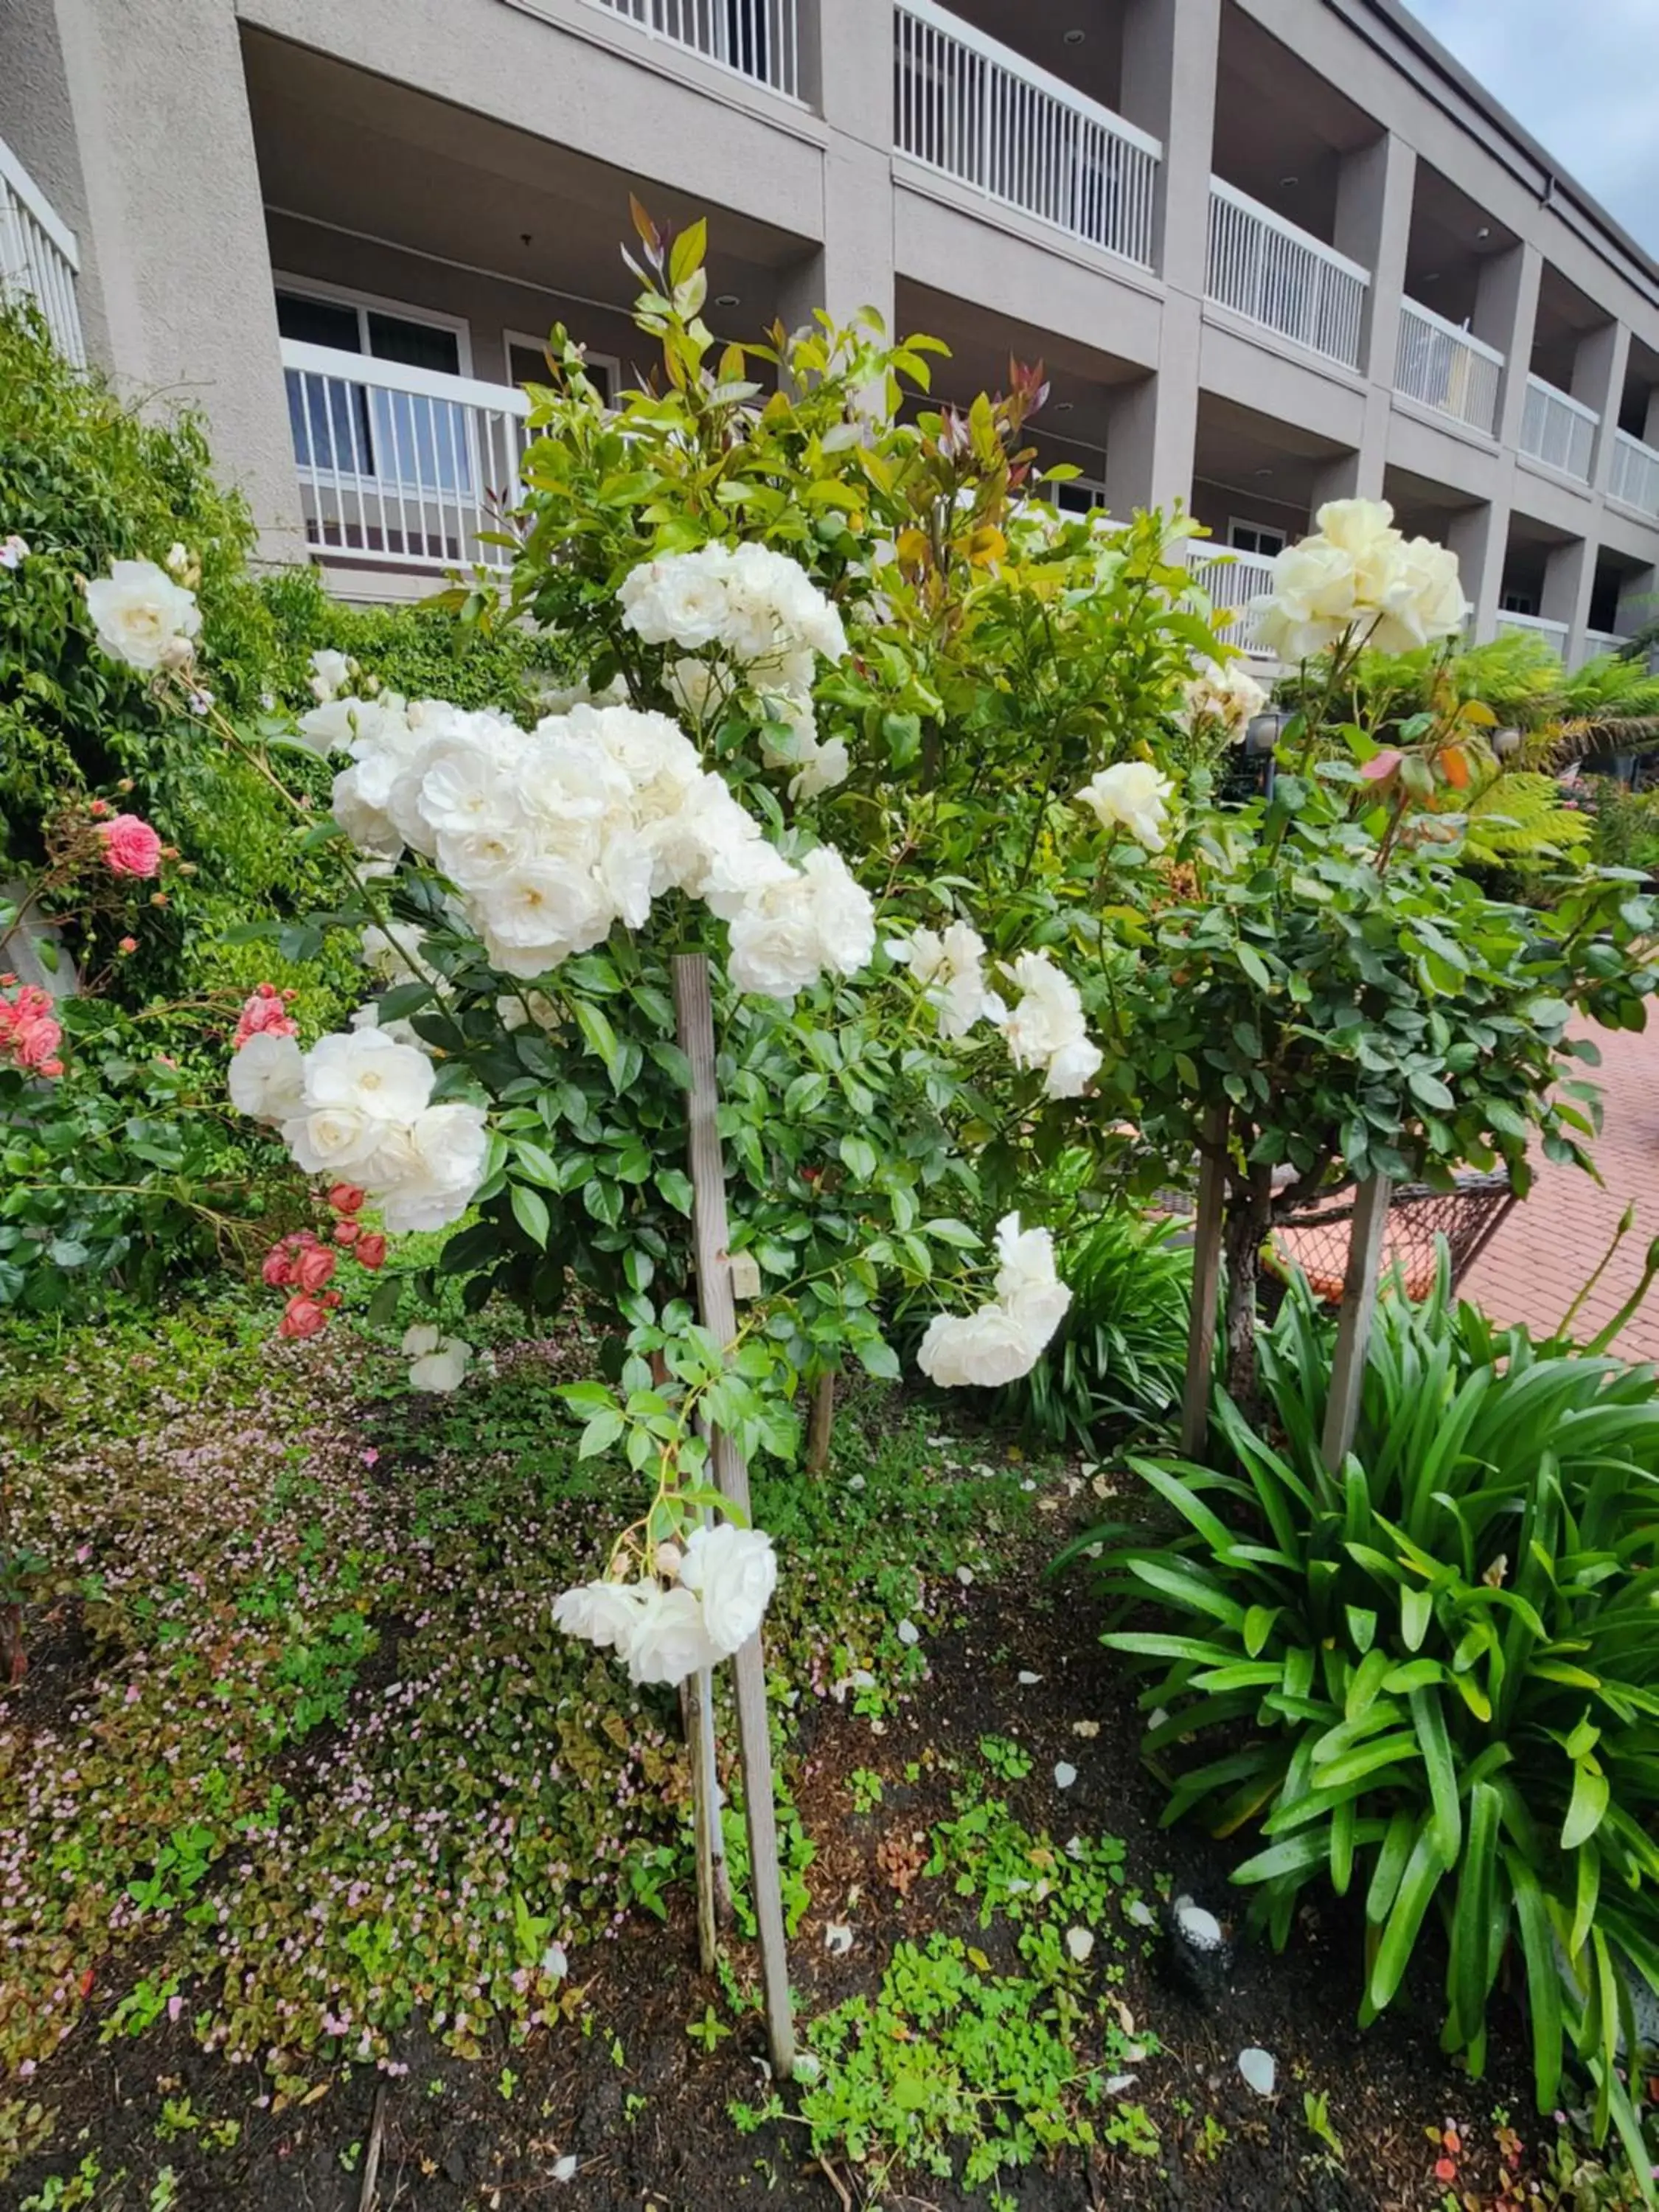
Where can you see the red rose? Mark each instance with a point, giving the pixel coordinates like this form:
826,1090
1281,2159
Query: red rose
346,1198
347,1232
371,1250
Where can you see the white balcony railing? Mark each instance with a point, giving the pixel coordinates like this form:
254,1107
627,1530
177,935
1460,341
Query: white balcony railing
1441,366
1594,644
758,39
976,110
38,254
1232,582
404,467
1633,480
1554,634
1558,430
1269,271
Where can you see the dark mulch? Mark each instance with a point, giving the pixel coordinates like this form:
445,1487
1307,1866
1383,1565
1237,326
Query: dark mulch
452,2142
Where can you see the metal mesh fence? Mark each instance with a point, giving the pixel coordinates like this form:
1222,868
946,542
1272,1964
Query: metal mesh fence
1315,1239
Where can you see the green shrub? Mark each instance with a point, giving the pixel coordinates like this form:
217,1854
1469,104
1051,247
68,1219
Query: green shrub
1119,1354
1435,1675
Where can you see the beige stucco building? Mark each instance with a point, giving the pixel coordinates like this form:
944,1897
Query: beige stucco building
1270,250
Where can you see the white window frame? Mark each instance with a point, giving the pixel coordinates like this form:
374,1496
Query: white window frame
368,303
607,361
1237,522
1506,603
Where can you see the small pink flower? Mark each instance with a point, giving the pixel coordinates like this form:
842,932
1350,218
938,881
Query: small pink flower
132,847
128,944
371,1250
265,1014
346,1198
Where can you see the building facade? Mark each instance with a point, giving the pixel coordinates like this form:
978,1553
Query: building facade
1271,251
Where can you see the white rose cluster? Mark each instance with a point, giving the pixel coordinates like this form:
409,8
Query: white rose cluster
144,616
1002,1340
949,968
727,1576
1224,692
358,1108
551,835
757,610
1046,1029
1358,574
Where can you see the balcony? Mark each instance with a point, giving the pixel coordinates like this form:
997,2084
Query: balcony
1275,275
1232,580
1558,430
1443,367
401,467
1634,478
1554,634
976,112
756,39
38,255
1596,644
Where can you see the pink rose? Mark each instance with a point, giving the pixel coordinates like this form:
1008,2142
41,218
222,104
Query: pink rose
132,847
265,1014
313,1268
302,1317
371,1250
278,1269
347,1232
34,1042
346,1198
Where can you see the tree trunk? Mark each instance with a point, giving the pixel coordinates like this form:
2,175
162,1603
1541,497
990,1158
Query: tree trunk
1249,1210
821,1422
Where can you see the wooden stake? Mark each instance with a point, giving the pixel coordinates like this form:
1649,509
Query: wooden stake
1206,1283
821,1422
705,1810
694,1025
1353,1329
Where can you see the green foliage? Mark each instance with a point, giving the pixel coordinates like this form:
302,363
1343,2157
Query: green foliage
1625,824
1435,1674
1119,1354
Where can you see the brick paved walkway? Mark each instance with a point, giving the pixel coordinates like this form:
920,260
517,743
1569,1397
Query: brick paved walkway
1535,1265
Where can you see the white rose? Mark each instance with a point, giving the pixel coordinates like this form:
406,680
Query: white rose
668,1640
441,1370
267,1078
951,969
420,1338
368,1073
1313,601
334,1141
331,672
679,598
1224,693
602,1613
825,768
734,1571
138,609
1423,600
978,1351
844,912
425,1176
1364,529
1026,1285
1131,796
775,950
1072,1069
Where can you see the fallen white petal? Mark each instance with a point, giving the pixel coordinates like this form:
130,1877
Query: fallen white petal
1087,1729
1026,1679
856,1482
1119,2082
1200,1928
964,1576
1259,2071
555,1962
564,2169
837,1939
1064,1775
1079,1942
908,1632
1140,1912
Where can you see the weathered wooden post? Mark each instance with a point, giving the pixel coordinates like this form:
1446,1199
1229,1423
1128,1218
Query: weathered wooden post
1353,1327
1206,1283
695,1026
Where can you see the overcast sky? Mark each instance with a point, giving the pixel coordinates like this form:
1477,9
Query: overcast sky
1583,80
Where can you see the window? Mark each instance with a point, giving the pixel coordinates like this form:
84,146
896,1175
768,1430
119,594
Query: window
1518,603
412,441
526,363
1077,496
1255,538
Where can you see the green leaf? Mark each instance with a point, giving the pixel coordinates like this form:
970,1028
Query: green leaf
529,1211
601,1433
860,1157
1587,1808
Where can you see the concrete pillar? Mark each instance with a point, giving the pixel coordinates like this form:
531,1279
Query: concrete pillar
1479,537
1650,419
1170,49
1569,578
1598,378
1169,54
186,310
1374,190
1638,589
848,46
1506,314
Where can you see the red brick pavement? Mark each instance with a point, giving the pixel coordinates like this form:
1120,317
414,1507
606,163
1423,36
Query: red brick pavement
1549,1244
